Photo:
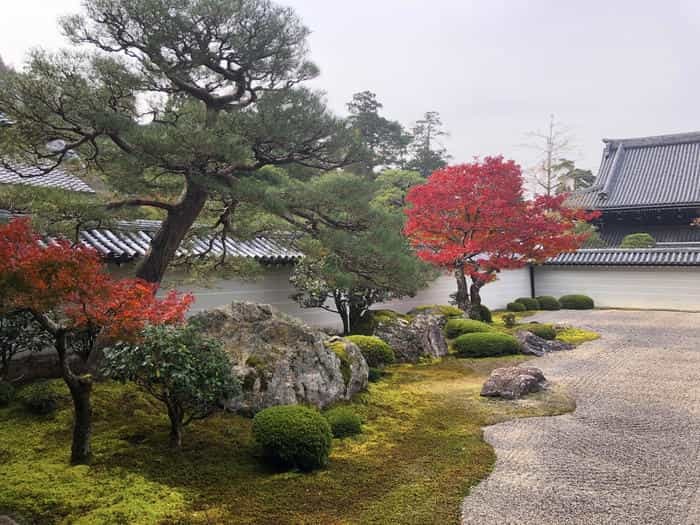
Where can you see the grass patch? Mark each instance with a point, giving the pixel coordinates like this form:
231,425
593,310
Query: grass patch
420,452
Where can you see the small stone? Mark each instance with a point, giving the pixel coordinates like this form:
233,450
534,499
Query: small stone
513,382
530,344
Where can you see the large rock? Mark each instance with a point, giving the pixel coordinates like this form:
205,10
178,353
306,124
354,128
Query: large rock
413,337
513,382
530,344
280,361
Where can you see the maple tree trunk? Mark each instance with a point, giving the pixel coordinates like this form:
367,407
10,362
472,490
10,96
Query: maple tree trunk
462,295
176,427
172,231
80,387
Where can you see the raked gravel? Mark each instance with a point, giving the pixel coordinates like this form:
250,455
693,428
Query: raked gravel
630,452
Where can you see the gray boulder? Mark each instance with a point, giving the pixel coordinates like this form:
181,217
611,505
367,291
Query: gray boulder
413,338
513,382
280,361
530,344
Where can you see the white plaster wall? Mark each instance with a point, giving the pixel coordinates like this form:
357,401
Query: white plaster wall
624,287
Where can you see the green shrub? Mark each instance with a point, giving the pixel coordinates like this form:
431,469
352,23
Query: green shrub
344,422
638,240
485,314
41,398
293,436
530,303
437,309
457,327
376,352
576,302
547,302
375,374
486,345
545,331
515,307
509,319
7,393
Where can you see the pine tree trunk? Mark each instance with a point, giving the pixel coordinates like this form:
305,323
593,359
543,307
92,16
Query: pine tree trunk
342,309
462,295
173,230
355,313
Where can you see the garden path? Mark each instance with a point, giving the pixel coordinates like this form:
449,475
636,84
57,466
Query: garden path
629,454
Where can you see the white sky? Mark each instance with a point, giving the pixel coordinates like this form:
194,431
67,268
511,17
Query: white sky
494,69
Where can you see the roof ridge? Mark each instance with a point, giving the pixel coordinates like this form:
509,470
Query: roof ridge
654,140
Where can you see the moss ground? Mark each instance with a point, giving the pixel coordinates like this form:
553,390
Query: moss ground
420,452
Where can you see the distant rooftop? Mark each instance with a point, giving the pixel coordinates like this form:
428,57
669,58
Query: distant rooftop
646,172
33,176
666,256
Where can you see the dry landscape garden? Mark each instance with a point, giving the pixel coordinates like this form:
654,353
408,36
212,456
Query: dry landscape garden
175,145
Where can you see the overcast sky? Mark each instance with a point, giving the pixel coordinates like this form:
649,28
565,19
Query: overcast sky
494,69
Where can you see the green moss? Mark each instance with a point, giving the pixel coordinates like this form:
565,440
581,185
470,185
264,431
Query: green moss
442,309
338,348
545,331
375,351
420,451
373,317
577,336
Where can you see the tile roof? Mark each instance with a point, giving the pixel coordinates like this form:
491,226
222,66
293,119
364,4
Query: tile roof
677,234
685,256
647,172
32,176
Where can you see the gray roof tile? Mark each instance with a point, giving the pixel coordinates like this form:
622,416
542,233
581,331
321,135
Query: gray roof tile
685,256
32,176
647,172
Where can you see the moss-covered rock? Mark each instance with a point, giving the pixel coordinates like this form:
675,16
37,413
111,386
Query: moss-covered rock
376,352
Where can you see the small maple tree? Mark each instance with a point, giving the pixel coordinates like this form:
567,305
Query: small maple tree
474,220
68,291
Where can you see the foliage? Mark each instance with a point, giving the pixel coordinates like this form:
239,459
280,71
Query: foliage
547,302
376,352
485,314
427,153
422,434
174,107
516,307
545,331
42,397
577,336
445,310
383,141
594,240
576,302
339,349
638,240
528,302
7,393
485,344
457,327
186,371
344,422
473,219
392,187
293,436
19,333
509,319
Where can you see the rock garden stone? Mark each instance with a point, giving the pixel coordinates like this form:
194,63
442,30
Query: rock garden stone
513,382
533,345
413,338
279,360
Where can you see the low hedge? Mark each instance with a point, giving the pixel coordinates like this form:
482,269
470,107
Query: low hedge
486,345
293,436
456,327
545,331
547,302
530,303
485,314
344,422
576,302
515,307
376,352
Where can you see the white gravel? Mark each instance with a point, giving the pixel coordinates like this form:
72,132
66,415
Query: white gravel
629,454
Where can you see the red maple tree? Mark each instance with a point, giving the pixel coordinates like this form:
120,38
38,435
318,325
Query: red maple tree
474,219
68,291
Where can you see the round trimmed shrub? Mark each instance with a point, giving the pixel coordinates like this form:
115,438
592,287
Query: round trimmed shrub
7,393
376,352
515,307
457,327
576,302
485,314
40,398
293,436
545,331
485,345
547,302
344,422
530,303
638,240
